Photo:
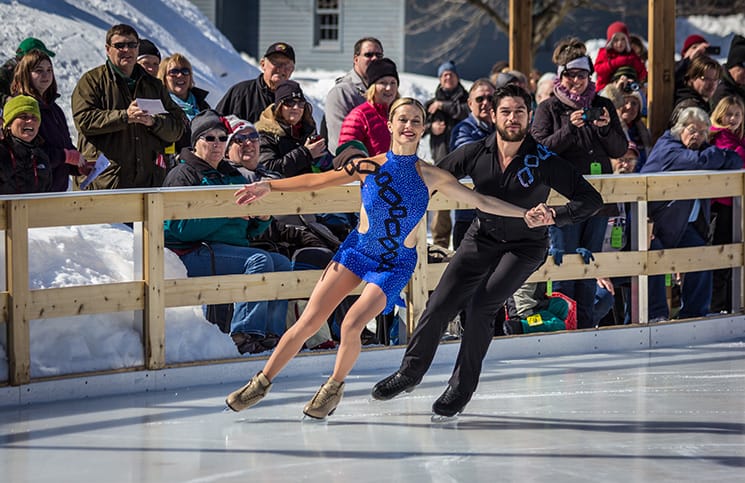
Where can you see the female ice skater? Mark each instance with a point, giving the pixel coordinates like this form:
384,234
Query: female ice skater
395,190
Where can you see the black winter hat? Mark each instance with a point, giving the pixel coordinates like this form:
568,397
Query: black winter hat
288,89
736,54
148,48
206,121
380,68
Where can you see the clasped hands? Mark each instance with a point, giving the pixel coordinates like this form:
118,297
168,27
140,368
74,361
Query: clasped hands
540,215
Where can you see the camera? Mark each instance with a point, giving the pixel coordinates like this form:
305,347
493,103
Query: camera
631,87
592,113
713,50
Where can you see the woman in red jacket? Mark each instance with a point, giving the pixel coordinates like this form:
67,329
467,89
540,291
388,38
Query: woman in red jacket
368,121
727,132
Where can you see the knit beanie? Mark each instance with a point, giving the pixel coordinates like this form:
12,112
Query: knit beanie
206,121
380,68
446,66
148,48
690,41
736,56
237,125
15,106
617,28
288,89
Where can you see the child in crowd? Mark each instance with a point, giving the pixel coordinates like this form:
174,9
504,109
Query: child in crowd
617,53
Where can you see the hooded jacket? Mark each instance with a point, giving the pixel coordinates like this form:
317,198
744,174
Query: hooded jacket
24,167
281,151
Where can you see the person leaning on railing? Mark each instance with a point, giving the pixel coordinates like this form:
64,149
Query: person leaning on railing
684,223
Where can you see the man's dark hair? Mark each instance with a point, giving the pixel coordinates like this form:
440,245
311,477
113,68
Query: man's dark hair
358,44
511,90
121,29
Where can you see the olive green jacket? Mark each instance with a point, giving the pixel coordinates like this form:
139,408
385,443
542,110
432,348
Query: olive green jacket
99,109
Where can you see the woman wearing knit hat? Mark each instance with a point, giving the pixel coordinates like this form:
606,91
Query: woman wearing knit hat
289,143
617,53
582,127
34,77
367,122
24,166
395,190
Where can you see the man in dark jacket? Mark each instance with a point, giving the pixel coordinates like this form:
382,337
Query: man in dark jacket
700,82
497,254
247,99
445,110
733,77
109,121
684,223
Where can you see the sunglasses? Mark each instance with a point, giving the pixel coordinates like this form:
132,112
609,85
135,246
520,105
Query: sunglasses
481,99
370,55
242,138
183,71
212,139
577,74
293,103
123,45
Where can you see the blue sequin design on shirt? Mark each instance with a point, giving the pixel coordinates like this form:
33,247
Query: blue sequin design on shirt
395,199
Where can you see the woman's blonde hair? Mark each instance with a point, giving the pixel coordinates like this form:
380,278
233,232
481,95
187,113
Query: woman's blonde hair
717,115
370,92
406,101
173,60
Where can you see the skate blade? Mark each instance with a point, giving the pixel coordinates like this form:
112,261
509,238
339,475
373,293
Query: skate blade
438,418
227,409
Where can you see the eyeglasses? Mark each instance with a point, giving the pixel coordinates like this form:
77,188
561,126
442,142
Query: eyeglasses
691,130
293,103
183,71
123,45
480,99
242,138
576,74
370,55
212,139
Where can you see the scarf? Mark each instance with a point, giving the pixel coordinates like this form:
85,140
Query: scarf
189,106
580,101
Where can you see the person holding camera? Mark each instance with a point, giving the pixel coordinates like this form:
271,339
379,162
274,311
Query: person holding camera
631,111
582,127
290,144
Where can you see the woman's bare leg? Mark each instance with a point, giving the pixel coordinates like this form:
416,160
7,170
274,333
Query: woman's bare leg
371,303
335,284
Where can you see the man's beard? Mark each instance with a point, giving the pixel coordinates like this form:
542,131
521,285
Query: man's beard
506,136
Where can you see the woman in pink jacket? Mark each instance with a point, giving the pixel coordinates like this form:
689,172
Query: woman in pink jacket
727,132
368,121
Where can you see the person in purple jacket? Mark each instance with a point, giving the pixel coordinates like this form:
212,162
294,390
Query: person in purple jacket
34,77
684,223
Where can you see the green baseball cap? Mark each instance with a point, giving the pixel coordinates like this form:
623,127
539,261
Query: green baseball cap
29,44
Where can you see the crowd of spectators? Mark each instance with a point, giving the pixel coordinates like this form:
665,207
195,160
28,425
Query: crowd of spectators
591,113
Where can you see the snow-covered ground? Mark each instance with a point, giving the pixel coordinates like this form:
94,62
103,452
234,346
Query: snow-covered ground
75,30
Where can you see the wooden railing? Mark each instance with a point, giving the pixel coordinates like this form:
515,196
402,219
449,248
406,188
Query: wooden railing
154,293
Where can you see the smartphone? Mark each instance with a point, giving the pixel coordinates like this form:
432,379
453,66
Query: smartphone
592,113
713,50
315,138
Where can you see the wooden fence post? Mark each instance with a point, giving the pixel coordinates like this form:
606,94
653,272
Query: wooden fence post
154,319
16,246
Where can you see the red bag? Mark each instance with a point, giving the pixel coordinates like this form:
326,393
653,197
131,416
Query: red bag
571,320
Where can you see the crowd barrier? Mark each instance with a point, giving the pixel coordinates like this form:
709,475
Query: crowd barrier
153,293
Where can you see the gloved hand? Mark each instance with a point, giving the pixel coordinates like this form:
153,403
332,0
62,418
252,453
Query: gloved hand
585,254
72,156
557,254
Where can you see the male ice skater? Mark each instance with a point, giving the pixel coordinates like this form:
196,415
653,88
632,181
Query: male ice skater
497,254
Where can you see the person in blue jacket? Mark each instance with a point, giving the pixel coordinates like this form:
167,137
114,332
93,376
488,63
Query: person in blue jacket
220,246
684,223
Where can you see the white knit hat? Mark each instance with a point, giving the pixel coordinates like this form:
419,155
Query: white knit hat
237,124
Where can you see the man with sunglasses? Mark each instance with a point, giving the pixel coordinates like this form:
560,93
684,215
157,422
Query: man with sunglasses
243,151
110,122
497,254
247,99
349,90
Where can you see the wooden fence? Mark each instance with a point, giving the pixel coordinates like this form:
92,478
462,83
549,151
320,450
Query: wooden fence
154,293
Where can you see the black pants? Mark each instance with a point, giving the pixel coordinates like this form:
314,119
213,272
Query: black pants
721,294
479,278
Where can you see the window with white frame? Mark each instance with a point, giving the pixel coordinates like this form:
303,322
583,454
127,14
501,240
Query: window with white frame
327,15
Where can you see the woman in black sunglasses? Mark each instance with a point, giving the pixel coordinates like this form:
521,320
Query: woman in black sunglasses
176,74
289,144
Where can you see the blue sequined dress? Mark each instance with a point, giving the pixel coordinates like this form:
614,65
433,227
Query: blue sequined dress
395,199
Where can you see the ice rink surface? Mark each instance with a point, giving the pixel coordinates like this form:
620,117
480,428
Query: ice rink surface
647,416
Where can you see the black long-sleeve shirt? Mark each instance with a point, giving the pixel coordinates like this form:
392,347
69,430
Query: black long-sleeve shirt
526,182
